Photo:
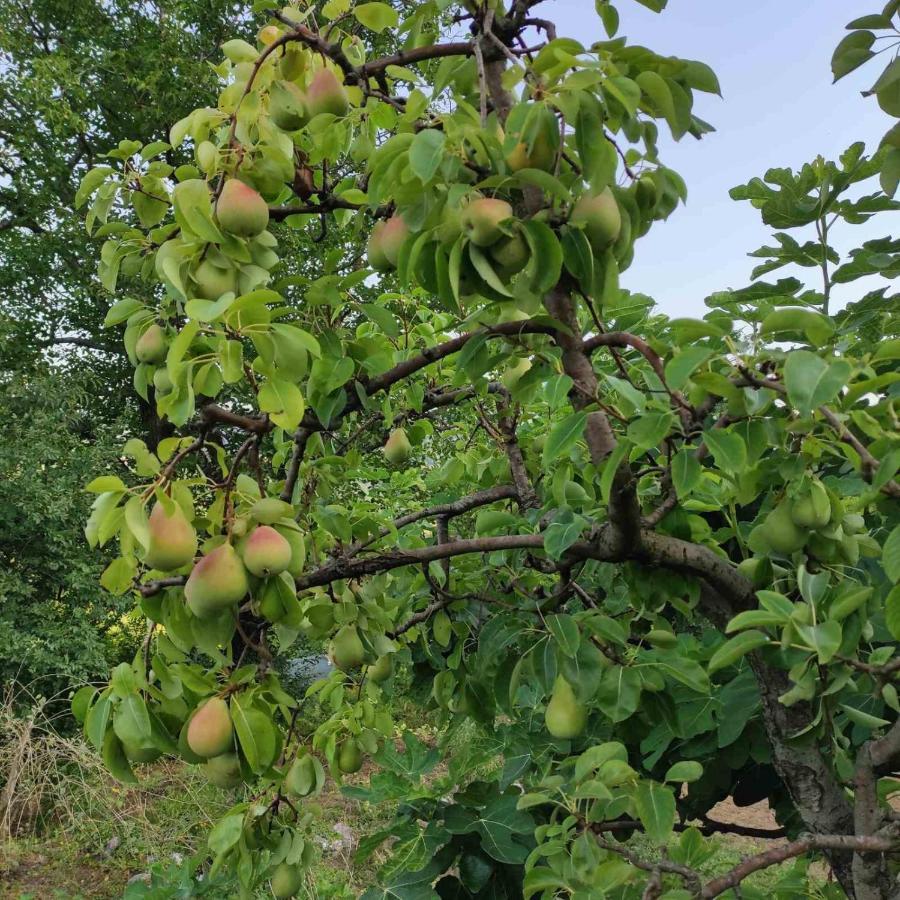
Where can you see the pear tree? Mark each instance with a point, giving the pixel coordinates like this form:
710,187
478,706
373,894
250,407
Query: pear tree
633,564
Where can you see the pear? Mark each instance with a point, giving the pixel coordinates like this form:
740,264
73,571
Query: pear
481,220
287,106
511,254
270,509
397,448
212,281
286,881
224,770
151,346
210,732
384,245
173,541
268,35
347,650
241,210
812,509
782,534
326,94
217,582
298,550
266,552
565,717
600,217
381,669
350,758
543,150
162,382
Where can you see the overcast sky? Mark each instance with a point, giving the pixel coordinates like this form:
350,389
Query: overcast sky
779,109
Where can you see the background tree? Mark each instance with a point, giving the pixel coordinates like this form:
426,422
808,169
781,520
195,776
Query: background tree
626,552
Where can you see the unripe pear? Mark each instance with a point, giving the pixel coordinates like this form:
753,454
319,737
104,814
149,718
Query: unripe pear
450,227
381,669
266,552
268,35
151,346
481,220
326,94
385,242
565,717
600,217
270,509
140,754
287,106
173,541
782,534
813,508
286,881
543,152
217,582
241,210
162,381
224,770
210,732
511,254
397,448
213,281
294,63
350,758
347,650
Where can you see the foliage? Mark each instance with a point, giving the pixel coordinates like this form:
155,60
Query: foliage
630,553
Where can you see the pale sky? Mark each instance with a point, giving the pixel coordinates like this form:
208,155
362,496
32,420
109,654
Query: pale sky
780,109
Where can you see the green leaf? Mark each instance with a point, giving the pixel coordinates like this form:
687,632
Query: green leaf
105,483
756,618
786,322
226,833
892,612
824,638
96,721
620,693
563,532
193,210
283,402
686,472
811,381
851,53
81,702
564,436
115,760
649,430
255,733
864,719
131,722
655,807
736,648
682,365
427,148
686,770
728,450
498,823
376,17
486,271
890,555
565,633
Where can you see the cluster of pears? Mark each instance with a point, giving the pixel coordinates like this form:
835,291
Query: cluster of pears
564,717
813,519
221,577
210,735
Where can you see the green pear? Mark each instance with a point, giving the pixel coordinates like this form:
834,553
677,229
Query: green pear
300,780
812,509
162,382
151,346
270,509
350,758
173,541
266,552
565,717
782,534
397,449
210,732
216,583
347,650
286,881
381,669
482,218
212,281
241,210
511,254
224,770
600,217
287,106
298,550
